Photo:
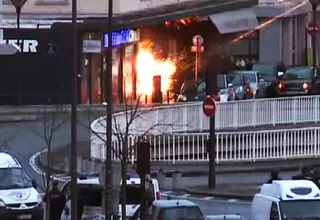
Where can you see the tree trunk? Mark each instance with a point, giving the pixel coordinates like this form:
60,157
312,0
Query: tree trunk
48,182
124,178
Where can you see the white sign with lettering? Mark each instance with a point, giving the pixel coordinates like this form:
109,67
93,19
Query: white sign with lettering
28,46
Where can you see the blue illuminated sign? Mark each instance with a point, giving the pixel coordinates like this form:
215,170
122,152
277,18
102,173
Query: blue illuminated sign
123,37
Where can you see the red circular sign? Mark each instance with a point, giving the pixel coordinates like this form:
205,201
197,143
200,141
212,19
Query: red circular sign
209,106
313,28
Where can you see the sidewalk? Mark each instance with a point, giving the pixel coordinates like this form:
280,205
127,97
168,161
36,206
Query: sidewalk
60,161
234,191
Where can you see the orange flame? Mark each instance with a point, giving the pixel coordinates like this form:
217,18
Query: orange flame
148,67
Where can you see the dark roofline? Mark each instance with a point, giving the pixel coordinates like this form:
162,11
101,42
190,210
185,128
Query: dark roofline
162,14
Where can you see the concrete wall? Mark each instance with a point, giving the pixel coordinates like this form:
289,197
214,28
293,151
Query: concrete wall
94,7
285,40
270,45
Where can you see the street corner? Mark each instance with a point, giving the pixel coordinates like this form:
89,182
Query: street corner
17,118
243,192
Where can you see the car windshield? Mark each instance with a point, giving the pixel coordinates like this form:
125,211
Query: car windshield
222,82
133,194
234,79
300,209
91,194
266,69
14,178
298,73
251,77
181,213
189,87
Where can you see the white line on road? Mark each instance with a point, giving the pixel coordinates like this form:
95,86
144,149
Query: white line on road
33,164
208,198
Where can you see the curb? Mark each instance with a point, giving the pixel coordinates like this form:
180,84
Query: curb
224,195
18,118
244,167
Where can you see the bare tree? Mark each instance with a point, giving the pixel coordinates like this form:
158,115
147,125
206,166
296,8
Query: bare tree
53,118
125,148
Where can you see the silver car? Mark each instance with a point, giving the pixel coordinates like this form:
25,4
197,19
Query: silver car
244,82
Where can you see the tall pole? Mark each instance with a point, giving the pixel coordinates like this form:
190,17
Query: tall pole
18,12
108,162
211,87
314,42
73,165
197,59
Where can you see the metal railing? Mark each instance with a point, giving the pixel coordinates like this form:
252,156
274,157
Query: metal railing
189,116
231,146
168,122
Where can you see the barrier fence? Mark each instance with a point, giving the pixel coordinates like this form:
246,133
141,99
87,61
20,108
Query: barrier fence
231,146
165,128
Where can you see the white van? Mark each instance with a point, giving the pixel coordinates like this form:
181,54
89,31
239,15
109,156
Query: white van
19,198
286,199
91,189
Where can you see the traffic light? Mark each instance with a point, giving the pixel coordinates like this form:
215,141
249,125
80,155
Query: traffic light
143,158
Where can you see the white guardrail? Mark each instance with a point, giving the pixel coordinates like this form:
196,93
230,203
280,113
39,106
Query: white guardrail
171,120
230,146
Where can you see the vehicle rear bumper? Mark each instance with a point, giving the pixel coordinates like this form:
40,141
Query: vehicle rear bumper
22,214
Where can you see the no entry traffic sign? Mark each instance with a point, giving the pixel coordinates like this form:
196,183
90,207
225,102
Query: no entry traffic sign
209,106
313,28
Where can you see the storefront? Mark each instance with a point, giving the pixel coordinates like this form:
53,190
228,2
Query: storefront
40,73
93,66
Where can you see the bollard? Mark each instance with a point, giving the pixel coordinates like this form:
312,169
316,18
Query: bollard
66,165
177,183
79,164
161,177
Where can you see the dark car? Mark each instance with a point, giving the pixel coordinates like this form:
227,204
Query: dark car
192,90
269,71
296,81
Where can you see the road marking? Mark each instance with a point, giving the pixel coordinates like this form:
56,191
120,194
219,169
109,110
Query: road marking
33,165
208,198
233,200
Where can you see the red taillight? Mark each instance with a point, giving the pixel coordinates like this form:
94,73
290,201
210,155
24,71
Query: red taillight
305,85
281,86
158,194
249,90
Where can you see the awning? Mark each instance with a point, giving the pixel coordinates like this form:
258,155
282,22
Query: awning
235,21
165,13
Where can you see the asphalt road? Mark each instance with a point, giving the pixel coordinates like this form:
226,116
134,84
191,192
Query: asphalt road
25,139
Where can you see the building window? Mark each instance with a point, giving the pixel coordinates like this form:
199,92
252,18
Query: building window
52,2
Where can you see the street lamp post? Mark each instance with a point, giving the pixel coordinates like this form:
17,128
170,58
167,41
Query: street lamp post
314,4
108,162
74,101
18,4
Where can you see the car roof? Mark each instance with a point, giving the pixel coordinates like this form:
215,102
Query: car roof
299,67
244,71
8,161
173,203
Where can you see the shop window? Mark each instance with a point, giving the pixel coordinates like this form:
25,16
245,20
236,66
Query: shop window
96,79
128,72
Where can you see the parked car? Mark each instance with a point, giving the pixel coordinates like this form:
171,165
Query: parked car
173,210
244,82
269,71
192,90
296,80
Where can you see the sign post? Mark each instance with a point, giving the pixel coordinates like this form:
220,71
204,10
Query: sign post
197,48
